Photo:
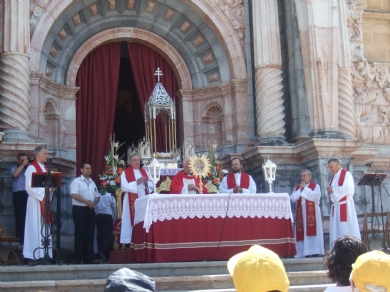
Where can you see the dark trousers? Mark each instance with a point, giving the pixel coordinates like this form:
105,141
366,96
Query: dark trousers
20,205
84,230
105,238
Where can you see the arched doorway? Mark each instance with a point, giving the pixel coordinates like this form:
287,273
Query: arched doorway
116,81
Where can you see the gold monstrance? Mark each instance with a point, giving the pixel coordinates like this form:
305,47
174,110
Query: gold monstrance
200,167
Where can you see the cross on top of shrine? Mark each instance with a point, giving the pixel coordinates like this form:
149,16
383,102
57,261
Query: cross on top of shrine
158,73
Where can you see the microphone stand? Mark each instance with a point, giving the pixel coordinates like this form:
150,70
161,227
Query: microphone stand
45,229
384,248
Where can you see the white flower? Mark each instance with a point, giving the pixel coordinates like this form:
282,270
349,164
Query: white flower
225,171
112,183
115,144
107,158
116,157
103,177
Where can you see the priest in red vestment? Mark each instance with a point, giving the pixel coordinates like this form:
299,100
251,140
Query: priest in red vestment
184,182
309,236
237,181
136,184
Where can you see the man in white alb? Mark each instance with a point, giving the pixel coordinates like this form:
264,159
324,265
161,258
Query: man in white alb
309,235
237,181
136,184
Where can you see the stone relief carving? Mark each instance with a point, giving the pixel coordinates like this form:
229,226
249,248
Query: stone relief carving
371,84
234,11
37,7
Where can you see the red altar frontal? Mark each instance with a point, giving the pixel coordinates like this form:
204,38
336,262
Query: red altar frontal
209,227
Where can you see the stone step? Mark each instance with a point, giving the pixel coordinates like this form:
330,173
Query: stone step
102,271
181,283
97,285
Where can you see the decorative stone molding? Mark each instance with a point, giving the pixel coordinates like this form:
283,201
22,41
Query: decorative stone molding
234,11
198,41
111,4
37,7
93,9
169,15
140,35
150,6
371,84
130,4
185,26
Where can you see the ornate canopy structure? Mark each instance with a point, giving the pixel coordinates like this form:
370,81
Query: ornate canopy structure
160,104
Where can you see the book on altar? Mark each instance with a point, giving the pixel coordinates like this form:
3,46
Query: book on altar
187,182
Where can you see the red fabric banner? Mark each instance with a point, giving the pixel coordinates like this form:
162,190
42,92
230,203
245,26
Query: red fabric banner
97,78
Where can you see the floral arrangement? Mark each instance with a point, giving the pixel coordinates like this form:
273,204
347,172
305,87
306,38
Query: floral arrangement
216,173
111,177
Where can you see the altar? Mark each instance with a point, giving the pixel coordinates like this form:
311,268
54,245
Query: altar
209,227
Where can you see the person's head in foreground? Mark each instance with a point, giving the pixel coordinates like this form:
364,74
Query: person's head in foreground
340,258
371,272
126,280
258,270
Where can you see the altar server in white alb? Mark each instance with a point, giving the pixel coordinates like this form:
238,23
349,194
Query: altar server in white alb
343,219
135,182
35,208
309,236
237,181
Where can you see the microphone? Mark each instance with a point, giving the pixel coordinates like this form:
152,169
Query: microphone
369,164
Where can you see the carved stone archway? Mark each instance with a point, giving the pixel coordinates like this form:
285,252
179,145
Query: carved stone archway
138,35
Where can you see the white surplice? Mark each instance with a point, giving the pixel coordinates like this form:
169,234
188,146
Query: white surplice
34,220
310,245
131,187
337,228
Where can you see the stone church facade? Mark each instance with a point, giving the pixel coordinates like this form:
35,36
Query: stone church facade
297,82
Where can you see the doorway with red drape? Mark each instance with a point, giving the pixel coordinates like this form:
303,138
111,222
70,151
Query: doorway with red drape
95,105
144,62
98,78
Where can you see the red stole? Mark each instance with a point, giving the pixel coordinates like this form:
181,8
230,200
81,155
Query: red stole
311,222
130,177
343,207
244,183
42,203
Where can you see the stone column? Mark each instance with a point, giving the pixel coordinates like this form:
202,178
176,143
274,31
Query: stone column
347,126
15,71
268,72
320,52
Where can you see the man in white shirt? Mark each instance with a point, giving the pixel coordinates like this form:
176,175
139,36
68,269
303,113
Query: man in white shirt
135,182
85,196
237,181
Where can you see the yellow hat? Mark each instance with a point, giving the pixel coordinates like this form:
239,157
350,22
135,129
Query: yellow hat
372,268
258,269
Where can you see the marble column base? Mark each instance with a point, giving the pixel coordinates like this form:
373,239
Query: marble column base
16,136
272,140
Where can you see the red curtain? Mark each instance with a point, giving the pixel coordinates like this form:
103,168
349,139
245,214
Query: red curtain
144,62
97,78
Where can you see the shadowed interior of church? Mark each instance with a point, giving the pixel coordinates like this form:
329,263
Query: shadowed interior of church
129,124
